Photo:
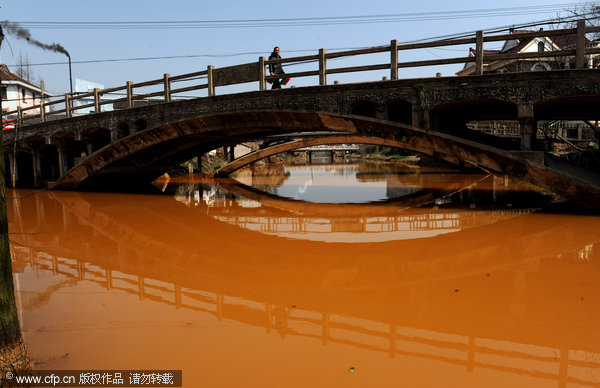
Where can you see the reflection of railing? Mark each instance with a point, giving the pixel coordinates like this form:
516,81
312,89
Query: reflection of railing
422,222
165,88
465,350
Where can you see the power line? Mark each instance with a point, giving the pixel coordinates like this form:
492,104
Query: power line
226,55
308,21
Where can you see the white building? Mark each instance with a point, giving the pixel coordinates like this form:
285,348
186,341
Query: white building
16,92
531,45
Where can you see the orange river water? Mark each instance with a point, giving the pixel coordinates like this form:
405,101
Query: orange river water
238,288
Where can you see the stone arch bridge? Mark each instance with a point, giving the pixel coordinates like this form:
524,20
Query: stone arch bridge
121,149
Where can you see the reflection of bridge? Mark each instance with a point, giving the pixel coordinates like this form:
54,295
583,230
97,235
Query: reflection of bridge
368,229
389,220
342,294
110,150
471,351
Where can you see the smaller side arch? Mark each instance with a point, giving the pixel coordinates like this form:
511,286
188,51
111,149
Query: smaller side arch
364,108
140,125
122,130
400,111
292,145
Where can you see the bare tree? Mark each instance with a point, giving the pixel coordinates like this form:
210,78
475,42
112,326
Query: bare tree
23,69
590,12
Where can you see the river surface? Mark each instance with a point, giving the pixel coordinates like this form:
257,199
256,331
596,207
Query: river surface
356,275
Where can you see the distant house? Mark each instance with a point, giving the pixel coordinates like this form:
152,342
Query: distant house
16,92
83,87
530,45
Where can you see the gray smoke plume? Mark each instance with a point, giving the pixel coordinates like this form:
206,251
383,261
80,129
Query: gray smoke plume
20,32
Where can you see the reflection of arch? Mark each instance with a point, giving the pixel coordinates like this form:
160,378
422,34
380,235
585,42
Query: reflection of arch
450,183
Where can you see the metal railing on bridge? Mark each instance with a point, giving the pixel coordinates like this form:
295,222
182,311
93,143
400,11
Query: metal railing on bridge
164,89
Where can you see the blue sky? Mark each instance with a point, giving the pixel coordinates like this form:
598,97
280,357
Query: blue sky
217,43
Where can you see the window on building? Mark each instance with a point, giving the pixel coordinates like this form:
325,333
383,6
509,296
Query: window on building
23,94
540,66
541,47
4,95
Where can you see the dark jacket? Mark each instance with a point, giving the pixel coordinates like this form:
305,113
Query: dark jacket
275,68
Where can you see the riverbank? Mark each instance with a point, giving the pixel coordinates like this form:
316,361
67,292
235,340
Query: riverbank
14,358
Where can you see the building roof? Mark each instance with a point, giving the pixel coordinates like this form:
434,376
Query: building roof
473,52
516,45
6,75
561,41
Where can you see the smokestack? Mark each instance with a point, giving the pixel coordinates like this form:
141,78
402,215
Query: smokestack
16,30
22,33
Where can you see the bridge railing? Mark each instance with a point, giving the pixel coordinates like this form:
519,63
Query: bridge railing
164,89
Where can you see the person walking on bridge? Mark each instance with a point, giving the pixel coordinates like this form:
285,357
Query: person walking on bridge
275,68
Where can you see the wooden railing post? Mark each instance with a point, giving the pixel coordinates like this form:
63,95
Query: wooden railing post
129,94
167,83
211,84
262,83
322,67
19,118
394,60
479,52
43,112
580,48
68,111
96,100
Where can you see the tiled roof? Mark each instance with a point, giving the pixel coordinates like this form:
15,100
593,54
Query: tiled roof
566,41
562,41
472,52
8,76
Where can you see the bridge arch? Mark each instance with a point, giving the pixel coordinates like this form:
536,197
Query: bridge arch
140,158
296,144
458,113
364,108
400,111
96,137
570,107
140,125
122,130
